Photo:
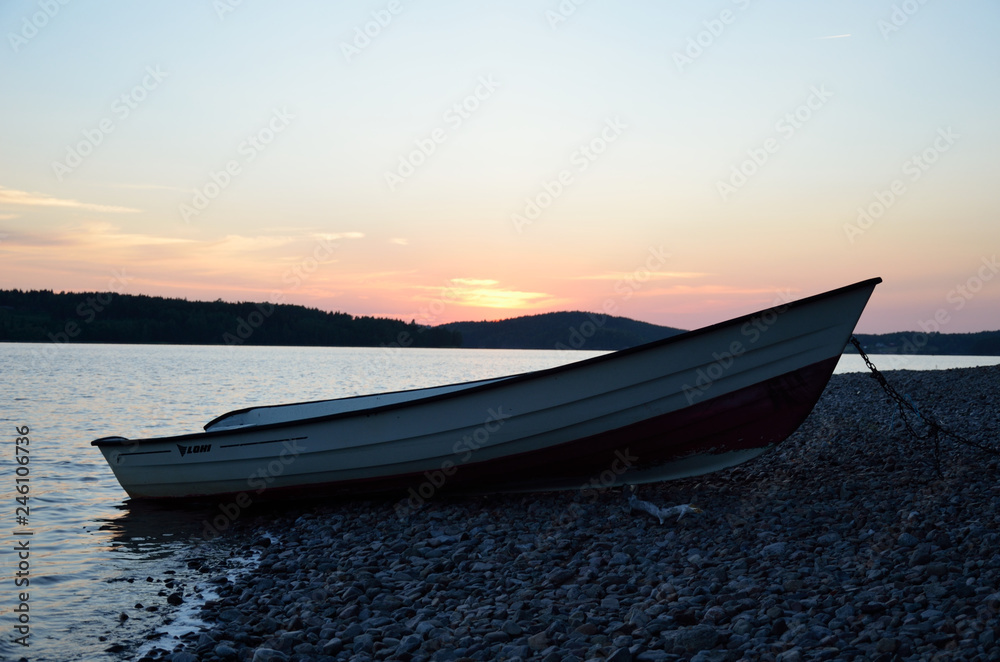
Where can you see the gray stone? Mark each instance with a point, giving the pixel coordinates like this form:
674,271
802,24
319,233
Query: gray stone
715,615
828,539
512,628
886,645
226,652
538,641
638,618
560,576
351,631
697,638
742,626
409,643
303,649
620,558
921,555
332,647
620,655
710,656
846,613
791,655
267,625
269,655
937,569
932,615
363,643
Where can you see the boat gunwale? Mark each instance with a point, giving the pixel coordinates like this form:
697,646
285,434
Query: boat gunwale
471,384
492,383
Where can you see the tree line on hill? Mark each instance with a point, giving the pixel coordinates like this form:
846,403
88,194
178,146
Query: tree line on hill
983,343
105,317
564,330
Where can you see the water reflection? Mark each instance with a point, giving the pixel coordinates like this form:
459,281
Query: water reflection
152,521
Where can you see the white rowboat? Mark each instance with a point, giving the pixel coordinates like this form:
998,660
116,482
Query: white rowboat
685,405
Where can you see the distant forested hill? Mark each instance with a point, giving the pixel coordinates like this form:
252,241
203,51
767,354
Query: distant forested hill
984,343
105,317
572,330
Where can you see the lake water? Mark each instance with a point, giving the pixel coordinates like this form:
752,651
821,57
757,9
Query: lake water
91,556
854,363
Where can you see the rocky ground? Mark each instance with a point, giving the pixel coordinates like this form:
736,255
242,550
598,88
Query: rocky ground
843,543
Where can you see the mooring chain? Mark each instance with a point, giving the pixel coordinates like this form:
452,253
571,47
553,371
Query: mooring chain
905,404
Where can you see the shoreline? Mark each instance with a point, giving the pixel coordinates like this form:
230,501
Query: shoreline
843,542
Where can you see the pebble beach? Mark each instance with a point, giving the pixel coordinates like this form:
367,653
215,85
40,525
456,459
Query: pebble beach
849,541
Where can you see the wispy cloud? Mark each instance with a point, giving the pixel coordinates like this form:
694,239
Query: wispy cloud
7,217
334,236
835,36
101,235
475,282
488,293
478,293
9,196
650,275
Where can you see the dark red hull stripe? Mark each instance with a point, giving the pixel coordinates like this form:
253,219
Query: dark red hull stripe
756,416
753,417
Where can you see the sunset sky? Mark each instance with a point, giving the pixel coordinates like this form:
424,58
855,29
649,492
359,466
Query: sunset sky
674,162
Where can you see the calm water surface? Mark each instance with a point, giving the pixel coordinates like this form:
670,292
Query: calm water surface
854,363
90,552
93,557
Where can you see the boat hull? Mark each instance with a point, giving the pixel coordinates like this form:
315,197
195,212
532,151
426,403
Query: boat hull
686,405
